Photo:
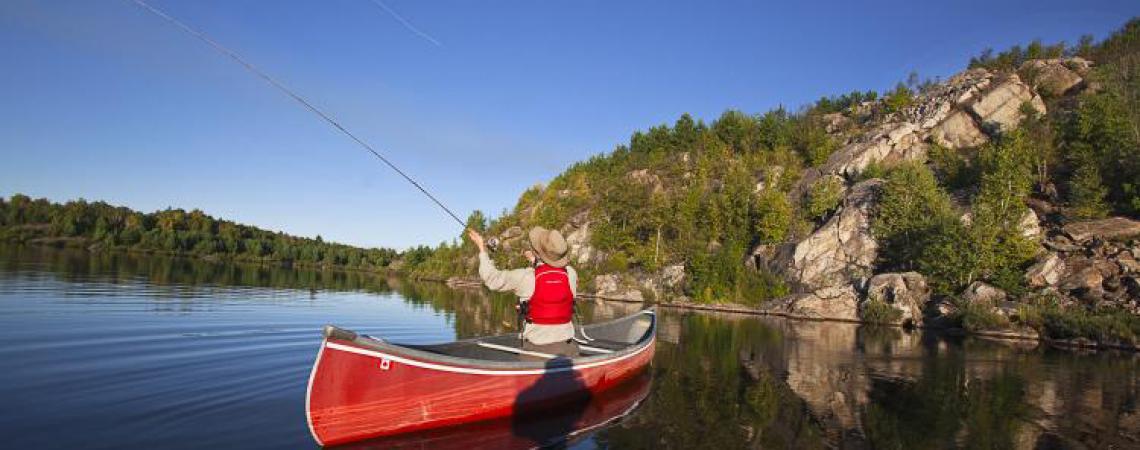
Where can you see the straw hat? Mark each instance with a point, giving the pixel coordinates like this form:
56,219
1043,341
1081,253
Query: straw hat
550,246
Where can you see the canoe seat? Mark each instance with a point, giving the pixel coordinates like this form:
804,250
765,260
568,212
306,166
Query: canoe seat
602,343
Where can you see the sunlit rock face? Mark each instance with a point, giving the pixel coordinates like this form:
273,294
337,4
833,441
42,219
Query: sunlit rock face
889,142
838,252
1055,77
1046,271
578,238
999,109
958,131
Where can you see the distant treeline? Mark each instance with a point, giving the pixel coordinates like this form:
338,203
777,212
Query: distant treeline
172,231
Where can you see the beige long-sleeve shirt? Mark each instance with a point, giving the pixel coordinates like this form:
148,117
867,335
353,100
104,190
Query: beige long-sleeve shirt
521,282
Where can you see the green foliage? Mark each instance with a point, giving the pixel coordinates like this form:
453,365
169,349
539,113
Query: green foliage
1012,58
952,167
980,317
913,214
173,231
1094,139
1104,153
875,310
810,139
920,230
823,197
1087,193
898,98
1101,326
1044,313
720,276
773,216
844,103
617,262
874,170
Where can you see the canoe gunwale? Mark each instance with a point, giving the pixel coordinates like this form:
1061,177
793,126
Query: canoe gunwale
371,344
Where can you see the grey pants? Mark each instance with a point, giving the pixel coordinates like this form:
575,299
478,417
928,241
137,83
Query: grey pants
568,349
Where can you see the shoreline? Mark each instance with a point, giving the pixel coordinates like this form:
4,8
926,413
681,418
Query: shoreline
461,283
1000,335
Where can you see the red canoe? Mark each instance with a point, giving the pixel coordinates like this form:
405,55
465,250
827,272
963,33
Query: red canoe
363,387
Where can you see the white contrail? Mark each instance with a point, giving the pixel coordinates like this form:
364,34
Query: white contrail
407,24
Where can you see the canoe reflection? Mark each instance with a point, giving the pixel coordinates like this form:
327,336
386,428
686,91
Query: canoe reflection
554,427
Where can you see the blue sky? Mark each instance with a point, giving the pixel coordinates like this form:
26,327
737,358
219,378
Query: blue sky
100,100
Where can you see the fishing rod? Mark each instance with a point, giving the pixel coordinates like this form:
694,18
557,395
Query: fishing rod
295,96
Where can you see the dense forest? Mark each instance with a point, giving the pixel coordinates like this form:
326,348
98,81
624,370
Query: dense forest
171,231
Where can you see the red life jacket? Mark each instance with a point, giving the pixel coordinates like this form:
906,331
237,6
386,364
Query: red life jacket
553,301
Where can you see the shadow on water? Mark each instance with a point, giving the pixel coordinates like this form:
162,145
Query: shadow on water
559,389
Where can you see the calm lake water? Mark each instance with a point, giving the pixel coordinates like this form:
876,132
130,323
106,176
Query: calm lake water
124,351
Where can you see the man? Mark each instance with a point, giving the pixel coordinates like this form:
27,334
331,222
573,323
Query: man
547,287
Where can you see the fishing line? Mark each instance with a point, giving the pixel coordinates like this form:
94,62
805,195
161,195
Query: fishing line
281,87
406,24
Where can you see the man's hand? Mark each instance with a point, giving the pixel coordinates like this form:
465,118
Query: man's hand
529,255
477,239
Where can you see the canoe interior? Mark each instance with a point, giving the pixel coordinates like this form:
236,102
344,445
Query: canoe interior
616,335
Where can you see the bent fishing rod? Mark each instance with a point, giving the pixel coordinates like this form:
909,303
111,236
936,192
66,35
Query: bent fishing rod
294,95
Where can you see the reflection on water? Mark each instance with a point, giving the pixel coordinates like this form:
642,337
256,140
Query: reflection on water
774,383
129,351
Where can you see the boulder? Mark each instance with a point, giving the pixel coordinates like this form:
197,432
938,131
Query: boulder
890,142
672,276
958,131
1079,65
581,252
933,105
1052,76
1061,243
982,292
835,122
906,292
1103,229
612,286
999,109
1030,225
940,314
838,252
836,303
1082,275
1046,272
647,178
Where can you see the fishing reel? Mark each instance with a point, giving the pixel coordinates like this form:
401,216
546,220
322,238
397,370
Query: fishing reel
492,244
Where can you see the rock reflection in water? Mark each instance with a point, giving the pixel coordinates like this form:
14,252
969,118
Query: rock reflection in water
774,383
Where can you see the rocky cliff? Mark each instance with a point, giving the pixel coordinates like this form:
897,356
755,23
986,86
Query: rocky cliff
654,220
